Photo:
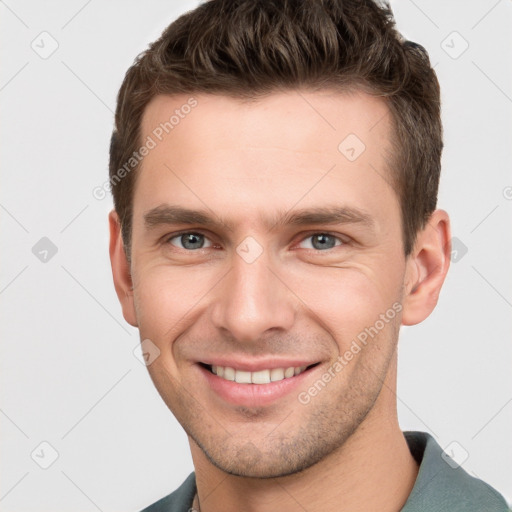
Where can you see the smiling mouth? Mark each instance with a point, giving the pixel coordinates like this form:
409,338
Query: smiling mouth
265,376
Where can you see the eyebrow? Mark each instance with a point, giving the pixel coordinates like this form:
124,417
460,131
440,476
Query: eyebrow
166,214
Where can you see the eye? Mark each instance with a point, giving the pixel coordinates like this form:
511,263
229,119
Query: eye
321,241
190,241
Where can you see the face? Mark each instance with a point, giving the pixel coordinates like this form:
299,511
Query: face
266,242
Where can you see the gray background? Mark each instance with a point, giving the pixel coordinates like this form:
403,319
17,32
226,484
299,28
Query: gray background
68,373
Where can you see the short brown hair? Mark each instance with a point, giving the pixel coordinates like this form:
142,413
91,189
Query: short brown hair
250,48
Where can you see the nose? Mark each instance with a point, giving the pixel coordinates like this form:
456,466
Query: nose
252,300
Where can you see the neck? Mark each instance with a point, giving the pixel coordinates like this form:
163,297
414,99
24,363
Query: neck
373,470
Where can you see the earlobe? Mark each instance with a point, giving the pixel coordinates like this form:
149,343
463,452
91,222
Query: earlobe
427,267
121,270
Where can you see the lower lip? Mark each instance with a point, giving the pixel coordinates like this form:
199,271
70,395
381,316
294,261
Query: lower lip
252,395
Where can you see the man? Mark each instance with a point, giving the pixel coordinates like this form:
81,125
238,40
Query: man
275,167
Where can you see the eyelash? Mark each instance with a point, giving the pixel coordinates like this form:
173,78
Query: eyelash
168,239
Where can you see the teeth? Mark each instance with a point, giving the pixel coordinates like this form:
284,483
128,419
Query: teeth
242,377
229,373
289,372
259,377
276,374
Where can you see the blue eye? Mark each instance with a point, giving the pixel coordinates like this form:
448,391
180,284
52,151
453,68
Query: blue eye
322,241
190,241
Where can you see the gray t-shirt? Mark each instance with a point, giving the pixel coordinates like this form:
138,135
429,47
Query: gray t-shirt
441,485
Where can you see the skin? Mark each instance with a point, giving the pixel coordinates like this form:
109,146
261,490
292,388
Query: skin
246,162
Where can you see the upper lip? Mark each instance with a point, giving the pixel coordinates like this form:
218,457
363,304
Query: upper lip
257,365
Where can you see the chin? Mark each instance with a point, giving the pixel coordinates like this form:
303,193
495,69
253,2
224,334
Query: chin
279,457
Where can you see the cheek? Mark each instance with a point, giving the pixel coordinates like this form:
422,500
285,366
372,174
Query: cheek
165,298
346,301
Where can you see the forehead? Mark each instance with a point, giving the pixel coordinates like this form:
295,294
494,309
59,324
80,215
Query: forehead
284,147
284,118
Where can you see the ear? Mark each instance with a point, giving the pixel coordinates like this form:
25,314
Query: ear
426,269
121,270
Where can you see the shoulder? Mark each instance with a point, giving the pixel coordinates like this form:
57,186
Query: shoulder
178,501
443,485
